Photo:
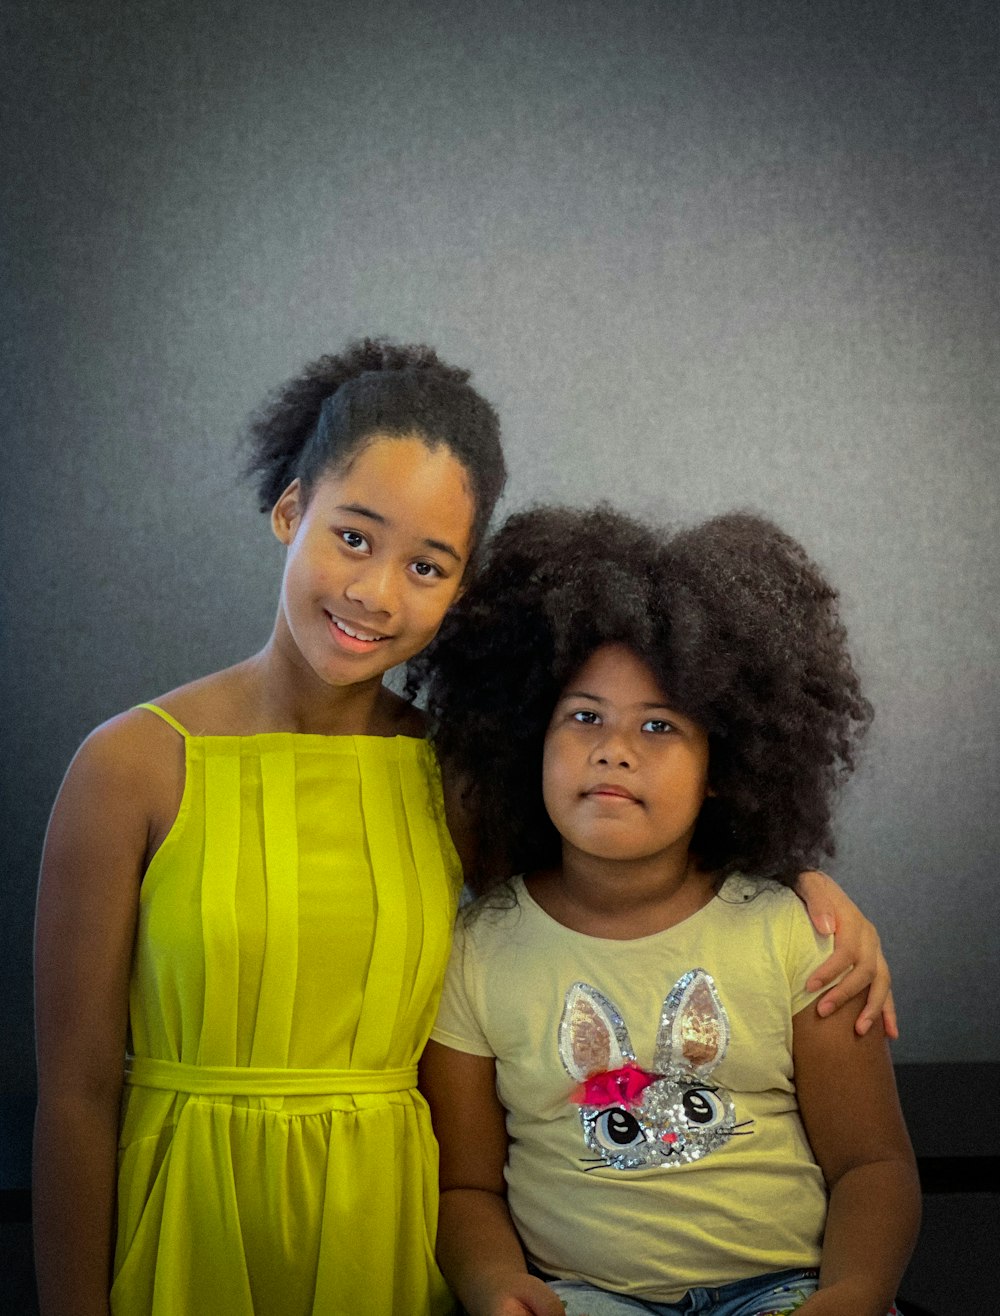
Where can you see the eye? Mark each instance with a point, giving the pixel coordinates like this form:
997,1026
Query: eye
354,539
427,570
616,1129
657,725
587,716
703,1108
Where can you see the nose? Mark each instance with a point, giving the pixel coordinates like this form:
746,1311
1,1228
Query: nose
374,588
612,750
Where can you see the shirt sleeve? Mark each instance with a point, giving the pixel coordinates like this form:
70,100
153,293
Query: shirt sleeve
806,951
458,1023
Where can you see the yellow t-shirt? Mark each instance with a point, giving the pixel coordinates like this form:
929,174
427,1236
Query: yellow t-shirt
655,1139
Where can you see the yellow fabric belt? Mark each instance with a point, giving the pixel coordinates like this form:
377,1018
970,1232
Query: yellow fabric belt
245,1081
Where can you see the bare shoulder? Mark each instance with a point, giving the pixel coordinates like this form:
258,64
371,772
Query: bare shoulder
125,744
219,704
129,771
131,768
144,750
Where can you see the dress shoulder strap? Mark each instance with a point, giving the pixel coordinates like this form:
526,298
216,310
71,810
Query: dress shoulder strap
170,721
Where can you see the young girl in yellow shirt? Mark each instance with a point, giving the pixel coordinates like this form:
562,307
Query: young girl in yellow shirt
639,1108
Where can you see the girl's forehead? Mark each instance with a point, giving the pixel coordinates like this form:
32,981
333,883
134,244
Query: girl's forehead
376,452
616,668
405,481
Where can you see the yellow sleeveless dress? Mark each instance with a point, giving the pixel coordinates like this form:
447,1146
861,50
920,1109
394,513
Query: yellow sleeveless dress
275,1157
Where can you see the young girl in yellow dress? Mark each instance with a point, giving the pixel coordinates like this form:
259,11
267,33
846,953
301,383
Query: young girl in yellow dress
247,899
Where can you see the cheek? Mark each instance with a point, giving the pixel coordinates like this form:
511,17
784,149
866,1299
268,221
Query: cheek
701,772
430,608
307,565
554,773
292,583
692,782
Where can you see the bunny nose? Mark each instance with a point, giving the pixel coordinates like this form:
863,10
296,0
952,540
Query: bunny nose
669,1137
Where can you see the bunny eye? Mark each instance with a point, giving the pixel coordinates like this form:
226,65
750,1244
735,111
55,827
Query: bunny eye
617,1129
702,1107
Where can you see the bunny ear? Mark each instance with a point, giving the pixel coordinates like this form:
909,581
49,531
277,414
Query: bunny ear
592,1034
694,1027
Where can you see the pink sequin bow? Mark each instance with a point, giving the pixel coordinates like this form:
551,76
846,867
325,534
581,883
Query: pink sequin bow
614,1087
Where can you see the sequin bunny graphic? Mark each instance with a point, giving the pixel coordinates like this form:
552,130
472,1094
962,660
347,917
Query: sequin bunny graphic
635,1119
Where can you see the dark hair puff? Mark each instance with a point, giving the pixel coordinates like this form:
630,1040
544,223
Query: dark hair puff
318,418
760,659
740,630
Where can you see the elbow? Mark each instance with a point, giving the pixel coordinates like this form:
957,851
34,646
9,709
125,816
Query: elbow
95,1106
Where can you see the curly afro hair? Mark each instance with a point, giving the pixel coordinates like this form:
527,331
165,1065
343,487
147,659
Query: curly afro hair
316,421
741,632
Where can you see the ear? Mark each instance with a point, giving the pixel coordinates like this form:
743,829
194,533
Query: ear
592,1034
694,1032
287,513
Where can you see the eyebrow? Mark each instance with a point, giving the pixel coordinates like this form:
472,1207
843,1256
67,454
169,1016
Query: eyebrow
597,699
358,509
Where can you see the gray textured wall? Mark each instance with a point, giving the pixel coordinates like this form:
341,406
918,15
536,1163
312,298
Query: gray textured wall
700,255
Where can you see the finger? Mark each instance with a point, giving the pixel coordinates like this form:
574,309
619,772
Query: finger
813,886
545,1304
889,1020
878,994
838,962
852,984
879,1005
824,921
533,1297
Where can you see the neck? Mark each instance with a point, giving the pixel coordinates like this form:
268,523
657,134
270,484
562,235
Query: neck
622,899
291,697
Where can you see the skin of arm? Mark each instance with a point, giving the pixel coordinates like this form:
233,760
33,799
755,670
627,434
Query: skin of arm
95,853
847,1098
478,1249
857,949
461,824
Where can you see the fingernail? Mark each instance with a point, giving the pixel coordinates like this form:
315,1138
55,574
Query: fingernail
825,1008
826,924
864,1025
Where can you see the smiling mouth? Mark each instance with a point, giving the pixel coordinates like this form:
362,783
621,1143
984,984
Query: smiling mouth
354,633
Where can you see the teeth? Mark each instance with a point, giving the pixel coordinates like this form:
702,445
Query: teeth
355,635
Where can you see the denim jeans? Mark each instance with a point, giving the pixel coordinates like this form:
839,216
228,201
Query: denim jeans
764,1295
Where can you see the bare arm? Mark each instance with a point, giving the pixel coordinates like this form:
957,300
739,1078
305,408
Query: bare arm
478,1249
94,857
857,945
847,1096
459,820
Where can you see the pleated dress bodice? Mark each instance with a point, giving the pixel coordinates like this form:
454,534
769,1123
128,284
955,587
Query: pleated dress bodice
293,931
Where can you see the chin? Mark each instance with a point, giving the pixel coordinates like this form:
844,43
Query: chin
609,852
